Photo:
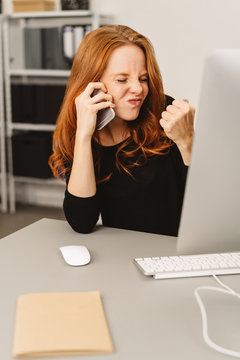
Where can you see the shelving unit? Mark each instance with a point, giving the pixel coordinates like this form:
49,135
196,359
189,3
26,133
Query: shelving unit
15,70
40,72
3,176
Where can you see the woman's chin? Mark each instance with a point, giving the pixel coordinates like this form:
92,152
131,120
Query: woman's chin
127,116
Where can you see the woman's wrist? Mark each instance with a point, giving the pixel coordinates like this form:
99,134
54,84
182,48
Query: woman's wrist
185,148
185,144
82,137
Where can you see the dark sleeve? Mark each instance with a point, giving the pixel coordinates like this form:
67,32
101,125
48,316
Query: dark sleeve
169,100
81,213
182,169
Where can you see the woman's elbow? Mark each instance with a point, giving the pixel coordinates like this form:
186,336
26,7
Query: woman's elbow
82,228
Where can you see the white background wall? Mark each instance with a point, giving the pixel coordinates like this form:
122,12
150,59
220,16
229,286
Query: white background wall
183,33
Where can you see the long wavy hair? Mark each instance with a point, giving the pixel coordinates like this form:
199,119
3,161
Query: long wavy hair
89,64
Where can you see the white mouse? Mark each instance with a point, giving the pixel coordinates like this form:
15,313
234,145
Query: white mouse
75,255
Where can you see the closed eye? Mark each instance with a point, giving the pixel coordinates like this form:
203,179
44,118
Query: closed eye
143,79
121,80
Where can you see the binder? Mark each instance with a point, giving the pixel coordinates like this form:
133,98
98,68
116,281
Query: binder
78,36
33,48
68,42
52,49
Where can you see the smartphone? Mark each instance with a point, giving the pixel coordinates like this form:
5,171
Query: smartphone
104,116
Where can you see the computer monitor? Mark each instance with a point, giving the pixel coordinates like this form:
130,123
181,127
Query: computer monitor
210,220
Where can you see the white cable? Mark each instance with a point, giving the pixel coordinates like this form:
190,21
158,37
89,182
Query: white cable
225,286
206,337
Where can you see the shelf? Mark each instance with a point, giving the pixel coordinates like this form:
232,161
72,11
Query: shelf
16,73
34,127
52,14
42,181
3,174
59,18
39,72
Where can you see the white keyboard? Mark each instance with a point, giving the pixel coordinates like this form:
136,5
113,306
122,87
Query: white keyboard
167,267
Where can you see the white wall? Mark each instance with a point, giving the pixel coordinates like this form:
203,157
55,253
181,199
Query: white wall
183,33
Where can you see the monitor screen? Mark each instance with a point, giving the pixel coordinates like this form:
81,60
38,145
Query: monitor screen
210,220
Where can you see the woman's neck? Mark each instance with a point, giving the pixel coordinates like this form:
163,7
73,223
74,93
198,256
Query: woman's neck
114,133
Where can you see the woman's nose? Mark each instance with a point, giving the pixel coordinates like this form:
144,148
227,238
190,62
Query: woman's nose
136,87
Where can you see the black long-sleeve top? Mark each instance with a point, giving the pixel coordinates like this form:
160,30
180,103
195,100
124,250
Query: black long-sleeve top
150,201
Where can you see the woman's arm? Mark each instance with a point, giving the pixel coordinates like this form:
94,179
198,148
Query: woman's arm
81,205
82,181
81,213
178,124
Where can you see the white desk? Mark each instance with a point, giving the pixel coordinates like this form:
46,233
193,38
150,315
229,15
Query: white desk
148,319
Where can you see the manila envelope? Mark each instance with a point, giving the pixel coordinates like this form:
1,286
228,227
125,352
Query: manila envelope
58,324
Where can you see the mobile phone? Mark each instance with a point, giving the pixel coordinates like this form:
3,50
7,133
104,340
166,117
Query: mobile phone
104,116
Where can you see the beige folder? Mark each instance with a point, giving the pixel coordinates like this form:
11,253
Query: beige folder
57,324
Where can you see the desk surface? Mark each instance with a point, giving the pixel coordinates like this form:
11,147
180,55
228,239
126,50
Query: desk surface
148,319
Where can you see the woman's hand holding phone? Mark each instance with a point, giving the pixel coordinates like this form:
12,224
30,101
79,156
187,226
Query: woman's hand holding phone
87,107
104,116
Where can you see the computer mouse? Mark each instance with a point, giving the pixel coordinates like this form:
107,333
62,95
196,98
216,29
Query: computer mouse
75,255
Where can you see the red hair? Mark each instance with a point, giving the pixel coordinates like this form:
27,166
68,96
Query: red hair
88,66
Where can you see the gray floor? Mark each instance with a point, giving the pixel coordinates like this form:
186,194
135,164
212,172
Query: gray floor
26,215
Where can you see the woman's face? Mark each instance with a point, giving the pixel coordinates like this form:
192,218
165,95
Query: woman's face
126,79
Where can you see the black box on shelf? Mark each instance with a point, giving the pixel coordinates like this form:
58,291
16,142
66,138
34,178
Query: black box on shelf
31,151
36,103
52,97
26,104
75,4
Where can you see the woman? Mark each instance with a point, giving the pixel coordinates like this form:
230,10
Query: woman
133,171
